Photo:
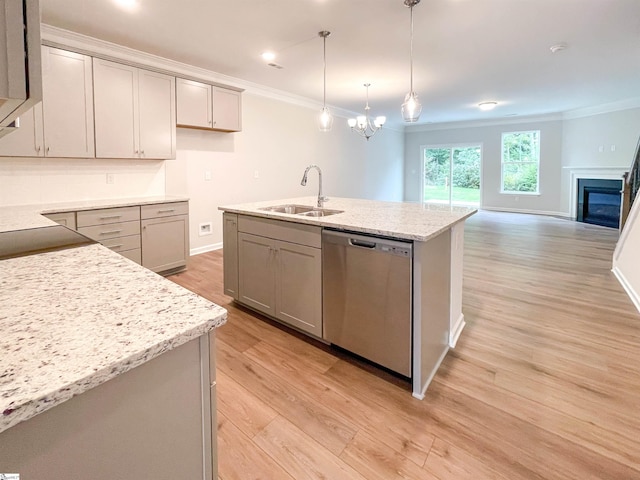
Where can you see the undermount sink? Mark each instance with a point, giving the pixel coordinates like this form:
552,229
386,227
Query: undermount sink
290,209
303,210
320,212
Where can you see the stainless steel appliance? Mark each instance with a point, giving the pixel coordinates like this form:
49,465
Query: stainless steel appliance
20,70
366,297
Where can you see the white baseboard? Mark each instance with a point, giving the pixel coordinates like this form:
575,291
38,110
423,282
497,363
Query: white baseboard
420,396
530,212
454,334
205,249
633,295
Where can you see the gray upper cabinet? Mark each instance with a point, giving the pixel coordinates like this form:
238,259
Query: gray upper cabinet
200,105
135,112
62,125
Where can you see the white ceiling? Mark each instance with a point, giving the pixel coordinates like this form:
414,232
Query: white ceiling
466,51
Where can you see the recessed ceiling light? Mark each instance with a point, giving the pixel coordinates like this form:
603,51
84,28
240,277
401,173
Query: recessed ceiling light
268,56
558,47
130,5
487,105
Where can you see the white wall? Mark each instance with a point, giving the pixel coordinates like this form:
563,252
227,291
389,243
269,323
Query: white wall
51,180
278,140
626,258
490,137
584,137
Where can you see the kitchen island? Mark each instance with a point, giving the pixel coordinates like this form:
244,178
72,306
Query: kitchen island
435,232
108,370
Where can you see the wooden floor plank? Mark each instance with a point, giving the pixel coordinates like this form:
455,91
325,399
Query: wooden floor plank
544,382
301,455
239,459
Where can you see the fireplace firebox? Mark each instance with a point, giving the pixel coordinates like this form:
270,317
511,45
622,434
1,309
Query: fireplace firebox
599,201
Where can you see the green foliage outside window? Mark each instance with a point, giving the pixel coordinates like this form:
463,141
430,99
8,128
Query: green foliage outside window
520,161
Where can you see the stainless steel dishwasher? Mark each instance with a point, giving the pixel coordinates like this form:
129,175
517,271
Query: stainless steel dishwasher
366,297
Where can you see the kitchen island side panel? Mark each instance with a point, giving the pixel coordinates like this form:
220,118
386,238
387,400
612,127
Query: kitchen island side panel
431,308
146,423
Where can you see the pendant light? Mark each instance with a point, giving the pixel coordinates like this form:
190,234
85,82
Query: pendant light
325,119
411,108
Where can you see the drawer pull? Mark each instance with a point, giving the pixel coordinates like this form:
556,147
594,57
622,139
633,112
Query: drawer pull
109,217
113,247
168,210
110,232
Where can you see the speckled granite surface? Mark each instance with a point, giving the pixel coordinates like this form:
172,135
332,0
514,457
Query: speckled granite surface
409,221
73,319
30,216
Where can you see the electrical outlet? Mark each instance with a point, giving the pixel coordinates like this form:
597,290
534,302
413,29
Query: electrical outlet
256,174
110,178
205,229
207,175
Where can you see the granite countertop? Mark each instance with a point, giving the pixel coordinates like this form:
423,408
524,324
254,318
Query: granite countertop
72,319
21,217
408,221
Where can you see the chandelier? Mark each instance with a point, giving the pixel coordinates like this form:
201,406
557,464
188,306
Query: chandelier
362,124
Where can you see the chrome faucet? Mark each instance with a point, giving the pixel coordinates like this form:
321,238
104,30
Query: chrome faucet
321,198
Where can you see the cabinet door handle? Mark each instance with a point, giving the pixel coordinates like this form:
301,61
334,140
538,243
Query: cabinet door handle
108,217
38,148
141,152
110,232
48,148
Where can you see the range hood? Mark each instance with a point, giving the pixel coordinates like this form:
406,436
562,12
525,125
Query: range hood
20,70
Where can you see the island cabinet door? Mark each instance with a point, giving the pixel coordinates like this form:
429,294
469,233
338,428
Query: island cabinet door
299,287
256,265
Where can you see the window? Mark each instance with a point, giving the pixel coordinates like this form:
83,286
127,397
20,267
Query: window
520,161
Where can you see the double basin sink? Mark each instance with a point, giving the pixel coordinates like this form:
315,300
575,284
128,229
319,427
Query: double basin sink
302,210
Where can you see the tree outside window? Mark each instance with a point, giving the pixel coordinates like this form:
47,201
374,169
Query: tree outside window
520,161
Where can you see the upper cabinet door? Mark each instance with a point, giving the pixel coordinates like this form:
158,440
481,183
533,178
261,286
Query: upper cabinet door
115,88
227,108
157,106
67,104
194,104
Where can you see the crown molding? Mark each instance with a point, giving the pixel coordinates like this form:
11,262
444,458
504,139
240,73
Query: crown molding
550,117
604,108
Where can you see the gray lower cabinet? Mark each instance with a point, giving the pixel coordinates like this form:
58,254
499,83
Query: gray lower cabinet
116,228
230,252
68,219
165,236
280,278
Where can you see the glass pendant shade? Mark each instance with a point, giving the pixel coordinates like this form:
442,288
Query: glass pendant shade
325,120
411,108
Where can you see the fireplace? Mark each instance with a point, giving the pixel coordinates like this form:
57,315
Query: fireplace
599,201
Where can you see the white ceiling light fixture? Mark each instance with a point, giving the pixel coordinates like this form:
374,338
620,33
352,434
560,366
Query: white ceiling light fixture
486,106
325,119
268,56
362,123
411,108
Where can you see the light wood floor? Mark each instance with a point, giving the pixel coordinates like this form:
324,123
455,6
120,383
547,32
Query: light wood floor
543,384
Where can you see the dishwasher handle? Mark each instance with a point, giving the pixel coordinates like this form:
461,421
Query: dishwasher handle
355,242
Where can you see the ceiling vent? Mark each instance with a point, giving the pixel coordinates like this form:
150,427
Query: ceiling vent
275,65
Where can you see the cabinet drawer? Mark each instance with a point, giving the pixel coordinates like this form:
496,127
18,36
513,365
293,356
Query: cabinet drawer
134,255
113,230
164,210
120,244
299,233
105,216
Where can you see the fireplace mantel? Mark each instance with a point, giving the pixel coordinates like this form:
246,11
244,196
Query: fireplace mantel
605,173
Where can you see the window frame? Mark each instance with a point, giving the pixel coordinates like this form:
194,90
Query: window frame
537,162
